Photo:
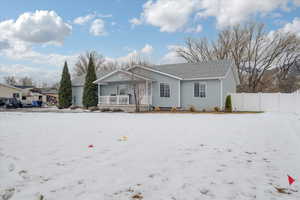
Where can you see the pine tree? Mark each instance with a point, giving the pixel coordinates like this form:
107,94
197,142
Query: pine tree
65,88
228,104
90,97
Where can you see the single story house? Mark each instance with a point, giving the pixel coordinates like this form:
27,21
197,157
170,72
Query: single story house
9,91
30,93
202,85
51,95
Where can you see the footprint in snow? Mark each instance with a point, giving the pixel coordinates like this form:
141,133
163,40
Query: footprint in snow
206,192
24,174
11,167
8,193
250,153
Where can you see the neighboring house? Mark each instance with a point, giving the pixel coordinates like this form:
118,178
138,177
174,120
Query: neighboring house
51,95
9,91
203,85
77,87
30,93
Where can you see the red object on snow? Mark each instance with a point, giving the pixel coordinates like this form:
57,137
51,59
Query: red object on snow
91,146
291,180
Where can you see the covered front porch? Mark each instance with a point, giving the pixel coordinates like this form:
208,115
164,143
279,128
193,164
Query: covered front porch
121,89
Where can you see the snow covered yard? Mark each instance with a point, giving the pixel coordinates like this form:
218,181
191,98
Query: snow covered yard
165,157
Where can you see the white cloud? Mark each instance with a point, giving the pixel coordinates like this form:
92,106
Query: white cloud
104,15
196,29
171,57
38,75
174,15
98,28
148,49
4,44
41,27
135,21
169,15
293,27
231,12
84,19
143,53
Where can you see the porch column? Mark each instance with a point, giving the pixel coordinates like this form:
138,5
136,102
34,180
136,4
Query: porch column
147,96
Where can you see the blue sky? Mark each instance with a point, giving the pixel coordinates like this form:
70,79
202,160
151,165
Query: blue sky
37,36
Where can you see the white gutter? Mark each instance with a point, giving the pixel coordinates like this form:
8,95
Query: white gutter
179,94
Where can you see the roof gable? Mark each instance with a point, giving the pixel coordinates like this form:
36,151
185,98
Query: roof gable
120,75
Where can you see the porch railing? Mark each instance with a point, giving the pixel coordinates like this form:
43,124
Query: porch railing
117,100
121,100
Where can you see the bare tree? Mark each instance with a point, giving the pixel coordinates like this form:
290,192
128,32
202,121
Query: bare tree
138,91
252,50
133,61
10,80
26,81
83,61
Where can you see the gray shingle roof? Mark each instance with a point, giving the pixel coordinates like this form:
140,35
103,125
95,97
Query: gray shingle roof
198,70
185,71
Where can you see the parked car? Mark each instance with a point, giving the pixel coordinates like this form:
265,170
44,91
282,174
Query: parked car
37,103
11,103
2,102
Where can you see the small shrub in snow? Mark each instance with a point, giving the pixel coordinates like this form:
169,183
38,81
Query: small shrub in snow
60,107
94,108
74,107
203,110
228,104
173,109
192,109
117,110
216,109
105,110
157,109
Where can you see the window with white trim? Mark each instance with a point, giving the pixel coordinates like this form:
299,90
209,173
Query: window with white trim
164,90
200,90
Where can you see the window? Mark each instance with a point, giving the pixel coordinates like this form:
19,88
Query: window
16,95
200,90
164,90
122,89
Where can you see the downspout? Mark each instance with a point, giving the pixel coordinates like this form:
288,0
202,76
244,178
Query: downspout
221,94
99,94
179,94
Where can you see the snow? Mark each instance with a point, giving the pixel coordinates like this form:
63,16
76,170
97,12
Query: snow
148,156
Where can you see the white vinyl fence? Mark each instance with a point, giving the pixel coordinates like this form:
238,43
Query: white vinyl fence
269,102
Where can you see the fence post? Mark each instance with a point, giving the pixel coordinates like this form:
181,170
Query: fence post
259,99
243,101
279,101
